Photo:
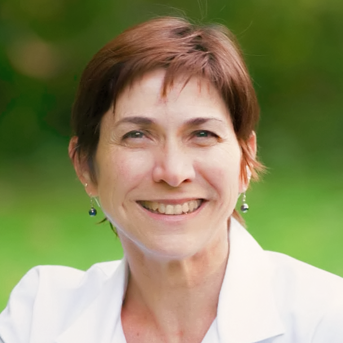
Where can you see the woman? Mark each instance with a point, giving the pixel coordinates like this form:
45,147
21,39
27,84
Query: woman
164,137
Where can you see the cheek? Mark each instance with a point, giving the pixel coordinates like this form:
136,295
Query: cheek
225,180
225,162
118,170
222,171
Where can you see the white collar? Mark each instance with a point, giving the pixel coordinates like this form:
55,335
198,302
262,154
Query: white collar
101,320
246,311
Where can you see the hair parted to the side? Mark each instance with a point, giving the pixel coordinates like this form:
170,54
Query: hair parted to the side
184,50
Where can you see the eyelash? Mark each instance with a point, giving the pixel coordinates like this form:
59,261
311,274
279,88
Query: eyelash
138,134
134,134
208,134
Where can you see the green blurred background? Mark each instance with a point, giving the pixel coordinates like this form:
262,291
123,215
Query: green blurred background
294,50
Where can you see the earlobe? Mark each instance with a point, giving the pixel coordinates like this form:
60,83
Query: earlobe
72,148
81,167
252,145
76,160
249,150
248,171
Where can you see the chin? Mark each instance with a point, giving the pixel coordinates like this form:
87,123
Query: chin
161,247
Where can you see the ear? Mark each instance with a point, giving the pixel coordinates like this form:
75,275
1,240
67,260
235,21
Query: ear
81,167
249,150
252,145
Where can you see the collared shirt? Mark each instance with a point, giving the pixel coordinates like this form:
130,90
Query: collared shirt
265,297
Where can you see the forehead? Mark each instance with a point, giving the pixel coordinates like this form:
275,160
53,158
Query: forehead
145,95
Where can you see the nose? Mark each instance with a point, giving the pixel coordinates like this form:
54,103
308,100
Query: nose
173,166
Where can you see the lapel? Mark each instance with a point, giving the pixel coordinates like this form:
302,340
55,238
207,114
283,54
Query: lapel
99,321
247,310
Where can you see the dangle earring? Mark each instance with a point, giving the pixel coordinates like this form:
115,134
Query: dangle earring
244,206
92,212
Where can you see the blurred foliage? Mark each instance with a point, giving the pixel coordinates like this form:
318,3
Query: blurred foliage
294,50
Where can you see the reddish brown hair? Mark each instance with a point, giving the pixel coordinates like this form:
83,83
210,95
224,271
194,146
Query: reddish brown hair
182,49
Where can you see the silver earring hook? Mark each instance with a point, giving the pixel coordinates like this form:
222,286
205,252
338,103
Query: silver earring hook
96,199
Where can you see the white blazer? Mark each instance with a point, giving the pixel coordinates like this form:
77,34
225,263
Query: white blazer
265,297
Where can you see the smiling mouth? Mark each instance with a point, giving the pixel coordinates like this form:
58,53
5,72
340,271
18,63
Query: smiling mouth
171,209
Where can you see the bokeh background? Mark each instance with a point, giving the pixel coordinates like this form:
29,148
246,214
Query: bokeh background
294,50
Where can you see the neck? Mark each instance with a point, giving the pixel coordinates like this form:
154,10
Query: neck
175,296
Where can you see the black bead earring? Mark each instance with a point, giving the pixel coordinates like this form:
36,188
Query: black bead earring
244,206
92,212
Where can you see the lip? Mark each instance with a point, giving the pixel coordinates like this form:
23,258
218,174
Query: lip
171,201
174,217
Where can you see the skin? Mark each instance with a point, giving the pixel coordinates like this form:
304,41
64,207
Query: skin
168,150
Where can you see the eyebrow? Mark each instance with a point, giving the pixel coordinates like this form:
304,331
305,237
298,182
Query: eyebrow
199,121
135,120
147,121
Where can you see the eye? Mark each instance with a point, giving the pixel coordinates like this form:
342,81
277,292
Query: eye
137,139
204,138
134,134
204,134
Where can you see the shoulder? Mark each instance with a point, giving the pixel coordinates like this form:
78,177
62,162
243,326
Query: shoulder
46,287
308,297
299,275
62,278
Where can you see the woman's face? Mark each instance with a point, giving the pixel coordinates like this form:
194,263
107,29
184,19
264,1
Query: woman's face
168,169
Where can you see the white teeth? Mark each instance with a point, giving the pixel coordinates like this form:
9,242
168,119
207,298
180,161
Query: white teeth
191,206
170,209
161,207
185,207
178,209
